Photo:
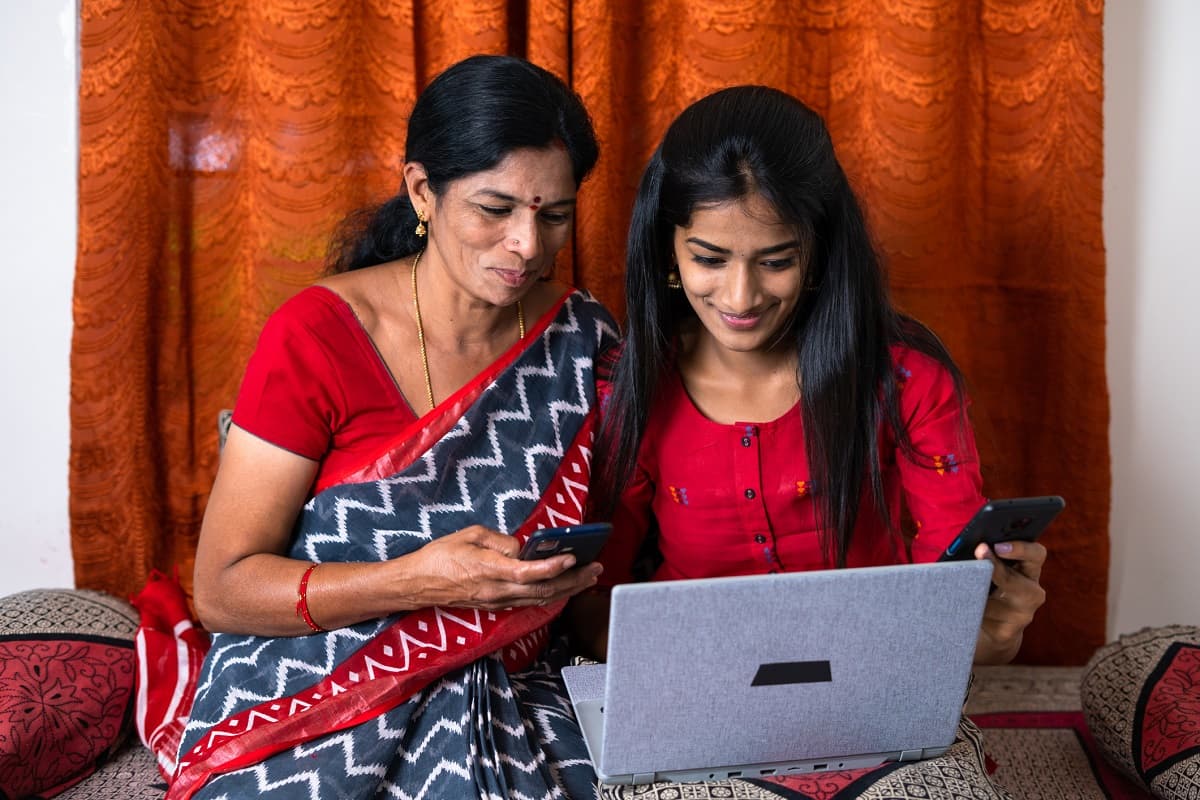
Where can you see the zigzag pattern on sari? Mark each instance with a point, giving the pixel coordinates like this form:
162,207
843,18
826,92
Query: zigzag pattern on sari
510,451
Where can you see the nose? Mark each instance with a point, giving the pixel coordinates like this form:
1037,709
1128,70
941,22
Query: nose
524,238
742,287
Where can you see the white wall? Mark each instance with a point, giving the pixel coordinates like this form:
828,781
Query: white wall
1152,165
1152,222
38,155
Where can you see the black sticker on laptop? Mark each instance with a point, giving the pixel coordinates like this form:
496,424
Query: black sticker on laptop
785,672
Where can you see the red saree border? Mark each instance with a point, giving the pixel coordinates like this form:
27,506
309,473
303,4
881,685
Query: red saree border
422,434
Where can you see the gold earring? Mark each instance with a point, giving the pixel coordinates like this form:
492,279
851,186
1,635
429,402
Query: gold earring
673,281
421,229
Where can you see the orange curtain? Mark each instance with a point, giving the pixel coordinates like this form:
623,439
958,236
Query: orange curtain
221,141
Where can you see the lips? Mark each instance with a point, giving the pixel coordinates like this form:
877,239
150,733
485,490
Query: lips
512,277
741,322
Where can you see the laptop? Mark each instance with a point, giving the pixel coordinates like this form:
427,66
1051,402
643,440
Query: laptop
780,674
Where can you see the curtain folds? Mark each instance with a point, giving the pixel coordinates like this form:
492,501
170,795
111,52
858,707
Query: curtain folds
221,141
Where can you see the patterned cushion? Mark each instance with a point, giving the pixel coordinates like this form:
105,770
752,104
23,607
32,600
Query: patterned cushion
1141,698
66,686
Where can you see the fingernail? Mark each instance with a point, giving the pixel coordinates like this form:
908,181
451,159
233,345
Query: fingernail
1004,547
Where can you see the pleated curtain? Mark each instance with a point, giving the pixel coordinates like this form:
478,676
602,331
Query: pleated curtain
221,141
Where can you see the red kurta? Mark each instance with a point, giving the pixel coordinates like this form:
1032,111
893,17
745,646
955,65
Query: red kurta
738,499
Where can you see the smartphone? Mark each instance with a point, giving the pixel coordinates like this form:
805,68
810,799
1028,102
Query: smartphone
582,541
1021,518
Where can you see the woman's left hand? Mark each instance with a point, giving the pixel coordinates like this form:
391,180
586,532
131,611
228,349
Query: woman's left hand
1012,604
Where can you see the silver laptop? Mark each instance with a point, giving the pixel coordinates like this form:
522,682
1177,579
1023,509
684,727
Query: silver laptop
779,674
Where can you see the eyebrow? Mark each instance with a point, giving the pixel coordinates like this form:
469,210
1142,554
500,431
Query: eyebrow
775,248
508,198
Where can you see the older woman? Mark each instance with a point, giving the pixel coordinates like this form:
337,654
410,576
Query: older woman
401,428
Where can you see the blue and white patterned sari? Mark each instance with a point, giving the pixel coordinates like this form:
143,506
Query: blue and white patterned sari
441,702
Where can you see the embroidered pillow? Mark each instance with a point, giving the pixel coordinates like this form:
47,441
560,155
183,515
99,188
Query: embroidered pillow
1141,698
66,686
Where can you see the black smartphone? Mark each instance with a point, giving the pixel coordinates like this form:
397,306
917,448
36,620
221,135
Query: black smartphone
1021,518
582,541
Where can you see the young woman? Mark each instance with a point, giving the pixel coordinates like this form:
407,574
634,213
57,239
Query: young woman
376,633
770,409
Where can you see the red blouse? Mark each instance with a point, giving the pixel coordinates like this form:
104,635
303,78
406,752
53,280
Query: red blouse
316,386
738,499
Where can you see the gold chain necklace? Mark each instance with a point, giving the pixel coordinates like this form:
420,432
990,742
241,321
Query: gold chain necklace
421,330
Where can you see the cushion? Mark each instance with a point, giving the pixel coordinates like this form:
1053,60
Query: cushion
1141,698
66,686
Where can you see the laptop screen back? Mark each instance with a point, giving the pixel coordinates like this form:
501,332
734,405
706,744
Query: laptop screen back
787,667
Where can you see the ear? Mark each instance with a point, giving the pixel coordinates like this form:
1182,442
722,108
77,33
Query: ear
416,181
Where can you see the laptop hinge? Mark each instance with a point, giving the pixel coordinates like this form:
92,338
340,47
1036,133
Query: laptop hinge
643,777
910,755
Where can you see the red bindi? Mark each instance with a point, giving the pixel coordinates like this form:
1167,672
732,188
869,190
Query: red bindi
536,203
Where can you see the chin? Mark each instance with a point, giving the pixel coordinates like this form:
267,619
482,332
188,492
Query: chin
741,344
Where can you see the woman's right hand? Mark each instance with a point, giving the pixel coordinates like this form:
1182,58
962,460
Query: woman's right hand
478,568
245,584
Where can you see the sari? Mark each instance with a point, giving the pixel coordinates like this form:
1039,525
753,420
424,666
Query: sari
438,702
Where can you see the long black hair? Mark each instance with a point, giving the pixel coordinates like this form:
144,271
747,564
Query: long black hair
731,144
467,120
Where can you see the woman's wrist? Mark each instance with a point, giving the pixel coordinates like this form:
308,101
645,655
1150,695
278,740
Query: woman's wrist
345,593
988,651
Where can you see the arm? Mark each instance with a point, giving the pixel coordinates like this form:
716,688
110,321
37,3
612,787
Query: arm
1011,606
942,488
244,583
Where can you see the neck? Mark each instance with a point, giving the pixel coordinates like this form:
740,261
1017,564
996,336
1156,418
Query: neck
703,353
459,320
727,386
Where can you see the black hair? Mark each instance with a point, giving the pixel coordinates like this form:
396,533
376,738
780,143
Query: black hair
467,120
731,144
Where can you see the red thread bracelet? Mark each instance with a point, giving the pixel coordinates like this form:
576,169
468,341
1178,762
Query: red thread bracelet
302,601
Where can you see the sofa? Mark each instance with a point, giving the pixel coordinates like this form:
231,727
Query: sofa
1127,725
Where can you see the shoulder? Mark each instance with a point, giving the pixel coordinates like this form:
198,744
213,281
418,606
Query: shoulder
913,366
924,385
315,324
313,307
583,311
360,293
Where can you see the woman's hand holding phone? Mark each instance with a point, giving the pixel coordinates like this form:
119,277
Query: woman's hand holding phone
1006,531
1016,574
480,568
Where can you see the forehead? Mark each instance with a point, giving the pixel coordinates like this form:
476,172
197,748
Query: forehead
749,219
524,174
